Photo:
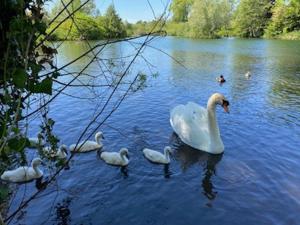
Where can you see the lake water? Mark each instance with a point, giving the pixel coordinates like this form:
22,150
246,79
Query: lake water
255,181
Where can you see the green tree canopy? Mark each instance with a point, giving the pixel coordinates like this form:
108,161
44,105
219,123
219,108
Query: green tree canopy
252,17
89,8
180,10
208,17
114,28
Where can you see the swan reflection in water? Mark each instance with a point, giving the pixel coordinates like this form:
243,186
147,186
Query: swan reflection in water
189,156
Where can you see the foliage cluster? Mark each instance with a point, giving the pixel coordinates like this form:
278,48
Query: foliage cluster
221,18
86,23
22,59
285,21
192,18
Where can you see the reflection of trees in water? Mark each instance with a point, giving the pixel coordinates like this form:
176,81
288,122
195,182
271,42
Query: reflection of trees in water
286,89
284,65
189,156
285,85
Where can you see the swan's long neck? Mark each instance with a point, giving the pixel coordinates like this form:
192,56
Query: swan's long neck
124,158
212,120
98,140
61,152
37,170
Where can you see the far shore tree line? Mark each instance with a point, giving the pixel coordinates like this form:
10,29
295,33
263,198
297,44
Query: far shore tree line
189,18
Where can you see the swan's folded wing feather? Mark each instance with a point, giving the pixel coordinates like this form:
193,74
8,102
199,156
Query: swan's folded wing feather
153,155
112,158
190,124
17,175
84,147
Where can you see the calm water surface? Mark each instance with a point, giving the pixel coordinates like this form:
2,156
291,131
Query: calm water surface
255,181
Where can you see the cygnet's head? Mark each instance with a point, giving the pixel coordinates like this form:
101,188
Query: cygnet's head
168,149
36,162
220,100
99,135
64,149
124,151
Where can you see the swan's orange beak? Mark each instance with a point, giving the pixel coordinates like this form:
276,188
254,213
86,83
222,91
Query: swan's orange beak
225,106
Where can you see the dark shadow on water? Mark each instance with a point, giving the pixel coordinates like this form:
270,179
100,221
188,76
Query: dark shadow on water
124,171
166,168
40,184
188,156
167,172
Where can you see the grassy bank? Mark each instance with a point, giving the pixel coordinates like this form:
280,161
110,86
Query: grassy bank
295,35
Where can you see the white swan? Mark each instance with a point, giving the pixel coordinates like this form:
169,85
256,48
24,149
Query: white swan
116,158
61,153
157,157
36,142
24,173
197,126
248,74
88,145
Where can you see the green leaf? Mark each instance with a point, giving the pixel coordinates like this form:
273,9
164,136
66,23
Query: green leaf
51,122
15,130
19,78
36,68
18,144
43,87
41,27
46,86
55,74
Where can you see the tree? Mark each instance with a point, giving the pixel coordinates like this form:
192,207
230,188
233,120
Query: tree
113,25
89,8
208,17
277,24
181,10
292,19
285,18
251,18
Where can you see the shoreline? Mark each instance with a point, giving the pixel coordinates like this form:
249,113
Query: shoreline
292,36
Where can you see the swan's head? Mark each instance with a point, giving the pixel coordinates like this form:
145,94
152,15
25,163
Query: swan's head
220,99
99,135
64,148
36,162
124,151
168,149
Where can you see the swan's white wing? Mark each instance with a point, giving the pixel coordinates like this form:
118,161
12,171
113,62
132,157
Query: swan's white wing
154,156
20,174
87,146
190,123
112,158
